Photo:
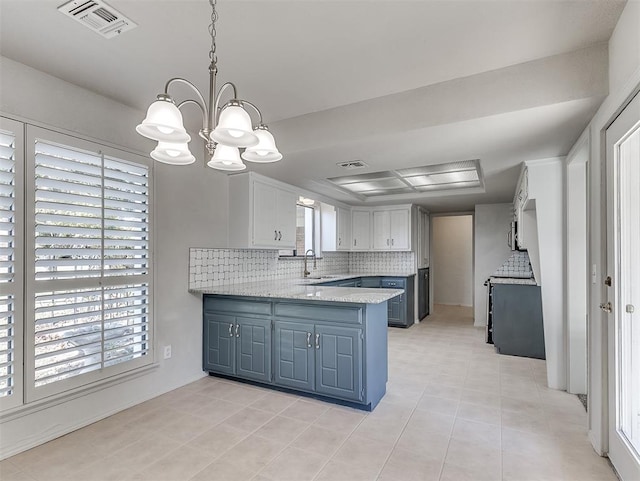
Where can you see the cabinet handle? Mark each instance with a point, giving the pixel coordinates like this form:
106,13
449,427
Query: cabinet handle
317,341
230,330
339,241
237,331
387,241
309,340
391,241
279,235
275,236
355,242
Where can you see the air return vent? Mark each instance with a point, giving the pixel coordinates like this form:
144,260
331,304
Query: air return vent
98,16
352,164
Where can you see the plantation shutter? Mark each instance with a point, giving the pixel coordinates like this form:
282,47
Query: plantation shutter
11,298
91,266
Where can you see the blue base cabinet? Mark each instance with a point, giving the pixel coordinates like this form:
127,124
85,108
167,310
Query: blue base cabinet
237,345
318,358
294,355
400,311
327,349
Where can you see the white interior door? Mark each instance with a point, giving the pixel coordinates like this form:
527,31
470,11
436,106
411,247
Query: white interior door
623,294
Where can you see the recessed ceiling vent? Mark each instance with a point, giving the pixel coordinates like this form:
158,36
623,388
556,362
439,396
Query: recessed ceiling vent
353,164
98,16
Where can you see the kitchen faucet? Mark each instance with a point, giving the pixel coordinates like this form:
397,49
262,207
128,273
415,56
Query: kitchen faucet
315,265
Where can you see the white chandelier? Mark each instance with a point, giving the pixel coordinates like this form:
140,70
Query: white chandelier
225,129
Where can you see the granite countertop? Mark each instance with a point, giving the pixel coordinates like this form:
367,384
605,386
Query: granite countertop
298,289
313,279
513,280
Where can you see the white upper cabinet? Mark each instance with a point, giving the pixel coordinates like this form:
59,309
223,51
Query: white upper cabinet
423,238
361,230
399,221
336,228
344,229
262,213
381,230
519,203
392,229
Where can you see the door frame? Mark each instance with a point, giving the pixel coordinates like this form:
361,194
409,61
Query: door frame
626,465
576,249
597,364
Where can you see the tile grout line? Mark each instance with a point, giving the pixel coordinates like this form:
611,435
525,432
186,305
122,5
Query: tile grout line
338,448
400,435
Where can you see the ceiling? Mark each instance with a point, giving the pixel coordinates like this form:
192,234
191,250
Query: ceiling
397,84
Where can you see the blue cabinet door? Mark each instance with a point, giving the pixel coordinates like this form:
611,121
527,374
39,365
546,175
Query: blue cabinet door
219,343
294,355
397,310
253,348
339,361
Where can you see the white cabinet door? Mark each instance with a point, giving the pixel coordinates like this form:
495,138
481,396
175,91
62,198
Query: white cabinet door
265,200
399,229
286,219
343,241
361,230
381,230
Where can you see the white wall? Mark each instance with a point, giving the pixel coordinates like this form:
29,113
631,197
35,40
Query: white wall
624,80
576,266
190,210
492,224
452,260
546,185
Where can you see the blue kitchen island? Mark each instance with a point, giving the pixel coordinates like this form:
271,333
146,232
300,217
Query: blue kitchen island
325,342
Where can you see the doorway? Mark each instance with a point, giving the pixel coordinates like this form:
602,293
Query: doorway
452,260
622,301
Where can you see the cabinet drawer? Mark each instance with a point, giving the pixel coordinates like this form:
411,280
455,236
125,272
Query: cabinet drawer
236,306
393,283
372,282
326,313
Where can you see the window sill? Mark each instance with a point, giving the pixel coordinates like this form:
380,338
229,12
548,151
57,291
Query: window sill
35,406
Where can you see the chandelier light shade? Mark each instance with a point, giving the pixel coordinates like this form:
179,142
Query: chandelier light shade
226,126
163,122
226,158
265,150
234,128
173,153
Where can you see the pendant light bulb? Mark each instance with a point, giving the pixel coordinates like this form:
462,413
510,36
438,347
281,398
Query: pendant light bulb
163,122
265,150
226,158
234,127
173,153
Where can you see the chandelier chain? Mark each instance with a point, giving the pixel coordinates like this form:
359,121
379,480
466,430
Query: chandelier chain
212,32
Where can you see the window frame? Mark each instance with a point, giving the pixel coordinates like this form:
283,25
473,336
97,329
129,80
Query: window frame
315,234
33,286
16,288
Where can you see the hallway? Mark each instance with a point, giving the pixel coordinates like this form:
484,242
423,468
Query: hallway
454,411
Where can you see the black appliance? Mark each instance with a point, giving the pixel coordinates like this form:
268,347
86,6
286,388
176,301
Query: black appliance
423,293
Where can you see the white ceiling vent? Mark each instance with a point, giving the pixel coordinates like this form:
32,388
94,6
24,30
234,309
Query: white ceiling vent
98,16
352,164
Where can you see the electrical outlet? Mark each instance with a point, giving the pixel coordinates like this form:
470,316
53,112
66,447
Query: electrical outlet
167,351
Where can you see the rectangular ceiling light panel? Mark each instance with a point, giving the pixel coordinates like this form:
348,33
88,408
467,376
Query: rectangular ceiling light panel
444,178
448,176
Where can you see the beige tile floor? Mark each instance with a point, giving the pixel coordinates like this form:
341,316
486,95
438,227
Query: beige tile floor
454,411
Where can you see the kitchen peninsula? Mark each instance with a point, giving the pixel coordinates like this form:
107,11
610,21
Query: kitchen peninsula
328,342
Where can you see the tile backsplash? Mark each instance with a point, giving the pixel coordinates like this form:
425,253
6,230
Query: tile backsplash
213,267
517,265
381,262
